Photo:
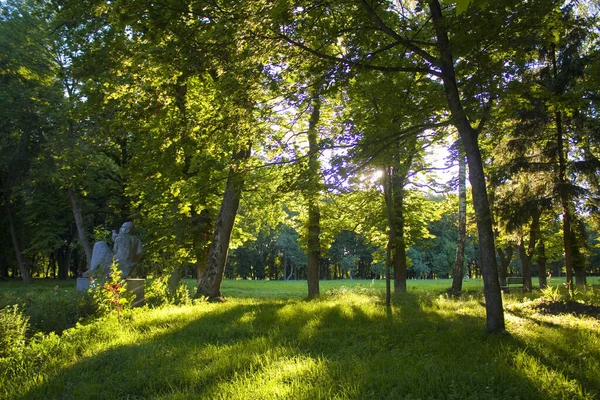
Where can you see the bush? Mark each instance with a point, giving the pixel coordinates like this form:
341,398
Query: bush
13,327
51,310
158,293
109,294
57,311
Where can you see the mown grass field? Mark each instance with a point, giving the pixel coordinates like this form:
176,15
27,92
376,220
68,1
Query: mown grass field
267,342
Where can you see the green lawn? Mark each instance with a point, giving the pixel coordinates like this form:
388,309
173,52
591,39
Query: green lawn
267,342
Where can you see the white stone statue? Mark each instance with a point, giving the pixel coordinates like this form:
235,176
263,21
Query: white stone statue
127,252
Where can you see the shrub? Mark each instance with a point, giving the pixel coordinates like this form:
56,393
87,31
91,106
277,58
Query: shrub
110,294
13,327
158,293
58,310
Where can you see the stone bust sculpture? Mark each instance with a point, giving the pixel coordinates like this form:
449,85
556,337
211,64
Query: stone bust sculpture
127,251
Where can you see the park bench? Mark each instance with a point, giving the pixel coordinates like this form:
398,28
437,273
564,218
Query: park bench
512,280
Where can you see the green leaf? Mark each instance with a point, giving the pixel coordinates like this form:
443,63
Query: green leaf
461,6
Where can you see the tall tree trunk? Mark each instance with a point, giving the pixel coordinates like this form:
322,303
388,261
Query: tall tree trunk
505,258
399,178
568,240
526,254
541,261
210,284
580,279
491,288
313,192
399,256
201,228
525,265
83,239
387,191
534,234
15,241
459,262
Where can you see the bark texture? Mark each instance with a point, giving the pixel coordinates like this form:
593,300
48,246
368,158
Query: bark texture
25,275
468,135
210,284
313,192
399,255
387,191
201,228
457,273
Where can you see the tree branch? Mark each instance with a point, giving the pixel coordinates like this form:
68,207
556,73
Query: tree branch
358,64
410,44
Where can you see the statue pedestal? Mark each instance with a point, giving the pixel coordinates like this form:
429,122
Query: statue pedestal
83,284
136,286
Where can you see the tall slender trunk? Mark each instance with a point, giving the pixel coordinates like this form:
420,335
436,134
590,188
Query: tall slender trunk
210,284
314,213
568,241
400,171
505,258
83,239
580,279
491,288
459,262
387,191
567,218
201,229
25,275
399,256
525,259
541,262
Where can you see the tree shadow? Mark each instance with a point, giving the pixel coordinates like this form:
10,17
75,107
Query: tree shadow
296,349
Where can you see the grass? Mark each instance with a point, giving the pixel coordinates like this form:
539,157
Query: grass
267,342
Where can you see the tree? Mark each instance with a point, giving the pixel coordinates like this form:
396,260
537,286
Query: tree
457,272
27,85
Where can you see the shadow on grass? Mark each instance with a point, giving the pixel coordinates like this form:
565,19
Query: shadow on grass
328,348
563,348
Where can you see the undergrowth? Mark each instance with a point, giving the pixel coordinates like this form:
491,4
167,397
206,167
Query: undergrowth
346,344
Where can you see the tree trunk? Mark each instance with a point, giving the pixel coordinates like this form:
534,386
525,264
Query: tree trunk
399,175
64,262
491,288
568,241
534,232
505,257
314,214
525,266
541,261
387,191
457,273
210,284
13,235
83,239
201,228
580,279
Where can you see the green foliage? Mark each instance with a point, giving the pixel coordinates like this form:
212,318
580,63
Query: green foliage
110,294
50,308
562,294
463,5
13,327
159,293
58,309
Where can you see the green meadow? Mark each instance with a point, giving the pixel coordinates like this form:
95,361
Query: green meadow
266,341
